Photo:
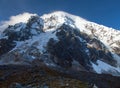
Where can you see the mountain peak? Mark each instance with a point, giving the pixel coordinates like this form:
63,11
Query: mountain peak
57,18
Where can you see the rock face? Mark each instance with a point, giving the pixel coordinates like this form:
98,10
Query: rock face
63,41
6,45
70,47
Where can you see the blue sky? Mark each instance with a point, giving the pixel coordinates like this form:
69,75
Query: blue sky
106,12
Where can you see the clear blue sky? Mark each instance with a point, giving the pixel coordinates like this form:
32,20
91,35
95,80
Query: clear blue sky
106,12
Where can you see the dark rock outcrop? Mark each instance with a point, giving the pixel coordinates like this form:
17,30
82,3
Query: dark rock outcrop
6,45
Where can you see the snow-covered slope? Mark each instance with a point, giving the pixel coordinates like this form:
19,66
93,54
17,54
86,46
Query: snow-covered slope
60,39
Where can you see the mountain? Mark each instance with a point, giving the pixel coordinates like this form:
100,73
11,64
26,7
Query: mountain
63,42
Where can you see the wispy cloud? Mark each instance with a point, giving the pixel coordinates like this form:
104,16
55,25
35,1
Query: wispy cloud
15,19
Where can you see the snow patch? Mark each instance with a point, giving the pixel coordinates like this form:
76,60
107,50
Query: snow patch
102,67
44,38
117,58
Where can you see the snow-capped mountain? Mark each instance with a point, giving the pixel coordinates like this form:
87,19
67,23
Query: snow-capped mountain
63,41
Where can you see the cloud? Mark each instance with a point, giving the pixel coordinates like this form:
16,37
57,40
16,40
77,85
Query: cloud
15,19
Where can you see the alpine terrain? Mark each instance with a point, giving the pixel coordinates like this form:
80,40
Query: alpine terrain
63,45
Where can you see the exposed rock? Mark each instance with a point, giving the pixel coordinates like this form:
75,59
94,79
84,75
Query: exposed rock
6,45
